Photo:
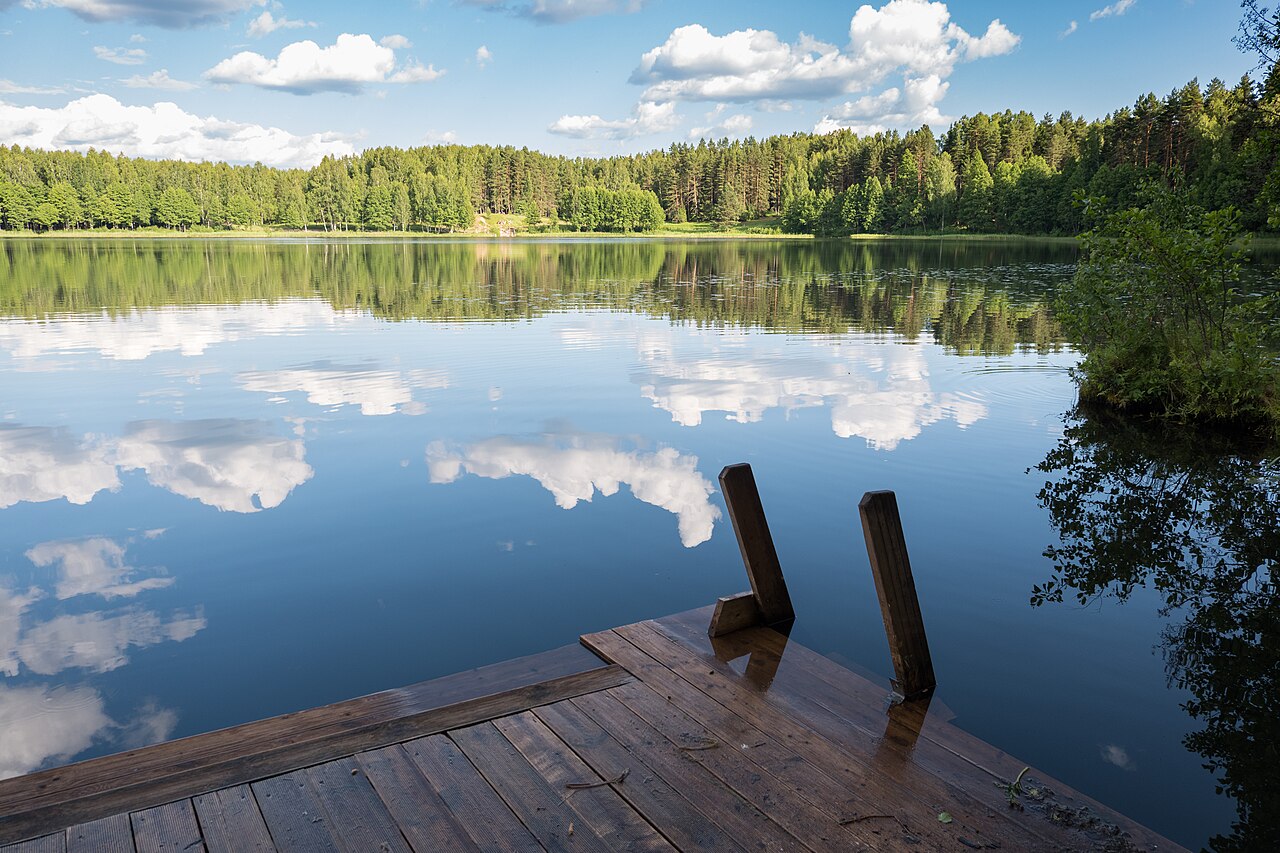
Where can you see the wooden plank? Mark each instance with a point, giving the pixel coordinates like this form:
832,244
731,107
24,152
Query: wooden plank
232,822
475,805
294,815
171,827
849,710
141,778
540,807
662,805
758,554
55,843
816,824
896,589
601,807
745,824
360,818
422,816
776,737
900,789
106,835
735,612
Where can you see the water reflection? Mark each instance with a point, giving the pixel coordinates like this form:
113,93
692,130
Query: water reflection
135,335
573,466
375,391
1195,518
227,463
881,394
44,464
92,567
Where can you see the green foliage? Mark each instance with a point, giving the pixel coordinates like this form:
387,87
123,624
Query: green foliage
177,209
1155,310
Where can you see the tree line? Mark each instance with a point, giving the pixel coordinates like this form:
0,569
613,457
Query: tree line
1004,173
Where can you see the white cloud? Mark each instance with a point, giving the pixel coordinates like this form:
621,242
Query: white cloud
1119,756
43,464
98,641
884,398
137,38
483,56
915,104
121,55
139,334
721,125
233,465
266,23
376,392
1071,28
42,725
303,68
395,41
574,466
914,37
162,13
162,131
92,567
646,118
1116,9
559,11
158,80
8,87
436,137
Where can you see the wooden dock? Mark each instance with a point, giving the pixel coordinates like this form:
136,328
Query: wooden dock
662,739
707,730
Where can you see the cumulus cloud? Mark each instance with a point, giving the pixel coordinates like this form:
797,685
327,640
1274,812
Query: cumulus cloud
573,466
162,13
162,131
140,334
559,11
376,392
233,465
99,642
646,118
121,55
266,23
913,38
483,56
42,464
721,125
348,65
158,80
915,104
93,566
1116,9
883,399
395,41
43,725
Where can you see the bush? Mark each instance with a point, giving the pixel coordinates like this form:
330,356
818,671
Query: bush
1154,308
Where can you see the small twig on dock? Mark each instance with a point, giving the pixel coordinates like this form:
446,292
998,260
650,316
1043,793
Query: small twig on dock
860,818
582,786
708,743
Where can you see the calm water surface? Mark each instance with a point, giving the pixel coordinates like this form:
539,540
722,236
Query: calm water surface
239,479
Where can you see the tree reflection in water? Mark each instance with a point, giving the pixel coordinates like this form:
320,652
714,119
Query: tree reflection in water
1197,518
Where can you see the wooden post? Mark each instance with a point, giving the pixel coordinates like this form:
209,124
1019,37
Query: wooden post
733,613
899,605
747,514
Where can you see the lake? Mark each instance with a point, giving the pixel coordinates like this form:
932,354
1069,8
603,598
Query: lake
240,478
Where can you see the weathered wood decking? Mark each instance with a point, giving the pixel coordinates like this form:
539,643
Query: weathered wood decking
667,740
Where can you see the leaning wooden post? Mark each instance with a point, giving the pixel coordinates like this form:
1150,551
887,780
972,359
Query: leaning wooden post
768,589
899,605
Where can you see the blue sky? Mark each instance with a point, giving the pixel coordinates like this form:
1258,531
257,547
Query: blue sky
285,83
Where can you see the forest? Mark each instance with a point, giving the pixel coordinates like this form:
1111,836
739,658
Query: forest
1001,173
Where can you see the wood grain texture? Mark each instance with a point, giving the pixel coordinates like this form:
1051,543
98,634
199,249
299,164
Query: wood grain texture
896,589
422,816
733,613
195,765
106,835
231,821
756,544
168,828
294,814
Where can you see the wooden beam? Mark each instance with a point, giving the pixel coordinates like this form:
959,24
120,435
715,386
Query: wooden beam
733,613
899,604
761,560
